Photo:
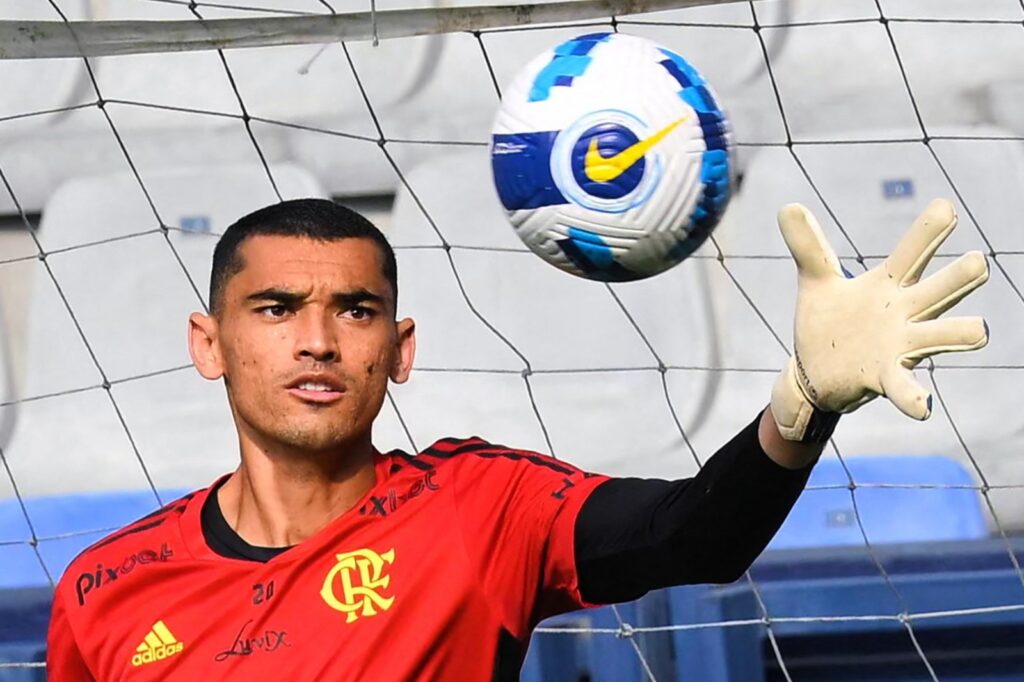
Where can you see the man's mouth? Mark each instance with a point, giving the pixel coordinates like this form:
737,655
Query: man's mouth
316,391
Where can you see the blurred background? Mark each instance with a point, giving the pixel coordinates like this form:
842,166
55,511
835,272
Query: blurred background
901,561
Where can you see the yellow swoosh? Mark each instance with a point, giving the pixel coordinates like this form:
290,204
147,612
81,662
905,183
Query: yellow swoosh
601,169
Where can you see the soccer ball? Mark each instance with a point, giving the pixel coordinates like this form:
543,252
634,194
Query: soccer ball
611,157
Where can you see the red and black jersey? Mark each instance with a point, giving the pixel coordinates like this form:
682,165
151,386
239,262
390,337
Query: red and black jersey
439,572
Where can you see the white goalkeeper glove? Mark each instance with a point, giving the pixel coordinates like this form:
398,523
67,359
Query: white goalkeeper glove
856,338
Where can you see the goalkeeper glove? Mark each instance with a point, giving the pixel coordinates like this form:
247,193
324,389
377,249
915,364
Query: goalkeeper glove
857,338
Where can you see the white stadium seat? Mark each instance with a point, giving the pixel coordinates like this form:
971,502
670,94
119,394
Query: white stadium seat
131,298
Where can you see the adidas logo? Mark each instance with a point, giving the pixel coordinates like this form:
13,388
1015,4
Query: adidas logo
158,645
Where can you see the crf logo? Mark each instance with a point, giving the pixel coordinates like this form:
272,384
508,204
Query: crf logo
361,577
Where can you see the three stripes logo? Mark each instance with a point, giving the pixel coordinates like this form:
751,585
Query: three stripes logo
158,645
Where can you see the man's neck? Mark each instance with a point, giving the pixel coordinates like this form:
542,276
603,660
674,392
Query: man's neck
279,500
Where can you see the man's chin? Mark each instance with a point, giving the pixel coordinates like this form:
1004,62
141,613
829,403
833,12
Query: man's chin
299,431
315,441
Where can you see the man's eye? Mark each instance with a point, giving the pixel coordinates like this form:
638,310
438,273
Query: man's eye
360,312
273,311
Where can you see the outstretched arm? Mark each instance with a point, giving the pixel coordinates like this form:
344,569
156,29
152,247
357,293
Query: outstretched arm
856,338
633,535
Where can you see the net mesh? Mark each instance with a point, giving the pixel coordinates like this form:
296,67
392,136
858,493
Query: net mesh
861,110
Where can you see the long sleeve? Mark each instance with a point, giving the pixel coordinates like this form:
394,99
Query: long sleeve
635,535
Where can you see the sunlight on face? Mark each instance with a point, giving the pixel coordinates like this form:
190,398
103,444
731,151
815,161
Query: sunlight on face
308,340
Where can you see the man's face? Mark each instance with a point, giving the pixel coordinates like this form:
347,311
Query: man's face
306,340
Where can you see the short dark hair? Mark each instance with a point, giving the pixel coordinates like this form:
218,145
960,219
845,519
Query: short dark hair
317,219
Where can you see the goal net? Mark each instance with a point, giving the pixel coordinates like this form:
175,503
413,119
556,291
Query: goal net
120,168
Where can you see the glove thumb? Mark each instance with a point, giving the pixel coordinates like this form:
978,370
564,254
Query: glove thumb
813,255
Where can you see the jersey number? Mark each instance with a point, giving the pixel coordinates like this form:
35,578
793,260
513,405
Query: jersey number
262,592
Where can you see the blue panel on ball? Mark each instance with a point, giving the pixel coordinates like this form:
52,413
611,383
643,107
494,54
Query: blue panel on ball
580,235
714,129
522,170
590,243
699,98
560,71
715,166
677,73
714,169
593,37
589,252
714,175
681,69
571,60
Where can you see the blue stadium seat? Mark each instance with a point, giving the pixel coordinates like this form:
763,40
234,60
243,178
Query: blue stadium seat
934,545
827,518
601,656
67,524
31,652
24,615
961,578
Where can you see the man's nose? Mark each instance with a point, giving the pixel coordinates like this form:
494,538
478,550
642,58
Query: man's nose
316,337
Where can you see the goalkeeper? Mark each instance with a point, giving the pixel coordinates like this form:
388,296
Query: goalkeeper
321,558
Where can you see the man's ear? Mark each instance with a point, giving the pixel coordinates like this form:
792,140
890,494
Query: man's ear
204,346
406,347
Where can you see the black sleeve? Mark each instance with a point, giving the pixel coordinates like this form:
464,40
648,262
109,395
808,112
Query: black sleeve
634,535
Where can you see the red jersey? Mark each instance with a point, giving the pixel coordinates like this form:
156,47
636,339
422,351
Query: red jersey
439,573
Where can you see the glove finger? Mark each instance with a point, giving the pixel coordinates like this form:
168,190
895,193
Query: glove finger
813,254
910,257
951,334
900,386
938,293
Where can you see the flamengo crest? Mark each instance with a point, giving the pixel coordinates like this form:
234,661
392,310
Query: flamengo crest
362,576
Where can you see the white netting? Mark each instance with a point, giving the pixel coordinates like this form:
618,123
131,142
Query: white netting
119,172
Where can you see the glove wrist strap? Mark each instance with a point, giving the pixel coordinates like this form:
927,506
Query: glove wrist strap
796,416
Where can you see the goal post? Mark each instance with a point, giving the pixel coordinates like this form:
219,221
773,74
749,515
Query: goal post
55,39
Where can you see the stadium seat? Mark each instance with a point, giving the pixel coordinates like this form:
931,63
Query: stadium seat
22,653
8,393
59,520
24,615
927,530
606,655
837,618
909,512
75,457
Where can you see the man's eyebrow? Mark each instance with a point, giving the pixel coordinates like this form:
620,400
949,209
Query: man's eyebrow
282,296
341,299
347,299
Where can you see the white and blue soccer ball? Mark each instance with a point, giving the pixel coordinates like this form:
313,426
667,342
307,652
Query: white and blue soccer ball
611,157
